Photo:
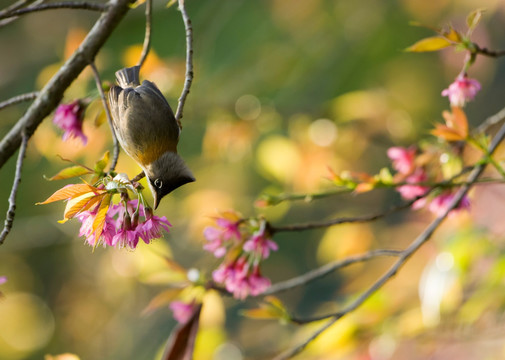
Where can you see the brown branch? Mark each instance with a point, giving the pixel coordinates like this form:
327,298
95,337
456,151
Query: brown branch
11,212
52,93
19,98
486,52
405,255
147,36
339,221
115,141
53,6
326,269
189,61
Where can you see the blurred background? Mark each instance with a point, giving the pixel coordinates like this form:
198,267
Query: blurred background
282,91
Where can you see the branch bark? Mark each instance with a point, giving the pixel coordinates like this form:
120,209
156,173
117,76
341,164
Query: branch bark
52,93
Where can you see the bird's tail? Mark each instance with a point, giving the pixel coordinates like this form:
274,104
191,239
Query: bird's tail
128,76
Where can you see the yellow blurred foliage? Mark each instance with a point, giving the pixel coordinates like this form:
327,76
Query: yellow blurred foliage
27,325
207,341
213,311
338,340
344,240
278,157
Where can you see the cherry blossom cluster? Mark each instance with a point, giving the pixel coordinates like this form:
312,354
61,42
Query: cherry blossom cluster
123,227
243,244
416,178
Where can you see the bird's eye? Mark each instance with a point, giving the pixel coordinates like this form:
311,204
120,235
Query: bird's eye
158,183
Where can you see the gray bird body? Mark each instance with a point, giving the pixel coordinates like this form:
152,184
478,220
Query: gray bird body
148,131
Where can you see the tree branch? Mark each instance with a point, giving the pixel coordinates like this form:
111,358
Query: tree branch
52,93
486,52
339,221
53,6
115,141
147,36
189,61
326,269
19,98
11,212
405,255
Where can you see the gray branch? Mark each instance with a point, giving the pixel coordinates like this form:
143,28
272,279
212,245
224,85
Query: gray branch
11,212
19,98
50,96
189,61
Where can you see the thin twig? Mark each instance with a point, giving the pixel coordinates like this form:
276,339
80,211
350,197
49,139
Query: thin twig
490,121
405,255
53,6
189,61
19,98
147,36
326,269
11,212
115,141
339,221
487,52
16,6
52,93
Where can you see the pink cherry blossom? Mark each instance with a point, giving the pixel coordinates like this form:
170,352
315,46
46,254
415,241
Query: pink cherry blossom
109,230
3,279
240,279
126,238
402,158
260,243
69,117
409,192
439,204
218,237
151,228
182,311
462,90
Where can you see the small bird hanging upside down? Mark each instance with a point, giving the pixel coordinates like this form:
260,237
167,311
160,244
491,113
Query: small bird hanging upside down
148,132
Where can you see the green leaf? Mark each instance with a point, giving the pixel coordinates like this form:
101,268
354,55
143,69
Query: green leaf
473,19
433,43
102,163
70,172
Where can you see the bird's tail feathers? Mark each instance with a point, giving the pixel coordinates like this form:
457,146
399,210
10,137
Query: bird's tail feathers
128,76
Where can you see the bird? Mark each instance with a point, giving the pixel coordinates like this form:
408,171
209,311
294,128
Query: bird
148,132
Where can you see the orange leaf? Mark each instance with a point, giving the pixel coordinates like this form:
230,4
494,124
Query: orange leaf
80,204
433,43
447,133
459,121
99,221
70,192
364,187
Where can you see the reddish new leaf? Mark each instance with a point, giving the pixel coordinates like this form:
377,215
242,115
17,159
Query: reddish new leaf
181,342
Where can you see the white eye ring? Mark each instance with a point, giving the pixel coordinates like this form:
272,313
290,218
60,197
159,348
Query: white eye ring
158,183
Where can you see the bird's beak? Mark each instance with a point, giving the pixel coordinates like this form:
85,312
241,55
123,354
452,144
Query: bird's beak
156,199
